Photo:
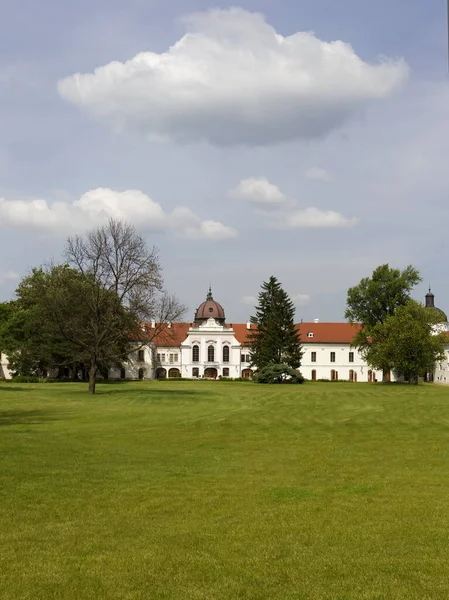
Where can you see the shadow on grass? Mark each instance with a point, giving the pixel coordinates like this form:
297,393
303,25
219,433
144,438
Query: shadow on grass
24,417
151,392
11,388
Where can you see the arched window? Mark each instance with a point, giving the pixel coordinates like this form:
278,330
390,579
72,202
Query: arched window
141,373
370,376
351,375
332,375
122,373
210,354
226,354
313,375
196,354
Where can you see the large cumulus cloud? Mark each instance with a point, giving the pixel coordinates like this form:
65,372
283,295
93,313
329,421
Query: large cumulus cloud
232,79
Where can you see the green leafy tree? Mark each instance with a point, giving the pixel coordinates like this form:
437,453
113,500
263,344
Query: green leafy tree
30,340
374,299
409,341
275,340
64,318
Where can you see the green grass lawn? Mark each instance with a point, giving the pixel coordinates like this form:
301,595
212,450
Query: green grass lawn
213,491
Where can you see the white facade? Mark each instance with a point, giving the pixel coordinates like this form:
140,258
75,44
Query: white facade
212,350
336,362
441,374
4,370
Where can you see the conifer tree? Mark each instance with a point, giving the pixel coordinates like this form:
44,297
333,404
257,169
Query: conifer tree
275,340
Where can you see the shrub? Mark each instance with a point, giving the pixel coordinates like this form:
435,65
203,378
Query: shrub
25,379
278,374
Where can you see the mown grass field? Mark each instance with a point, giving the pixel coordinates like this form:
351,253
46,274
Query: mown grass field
213,491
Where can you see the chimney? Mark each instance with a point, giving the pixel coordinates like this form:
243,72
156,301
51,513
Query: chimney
316,320
153,324
248,325
169,324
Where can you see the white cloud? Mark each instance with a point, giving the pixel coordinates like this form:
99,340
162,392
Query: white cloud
249,300
8,276
96,206
317,174
300,299
284,212
259,191
232,79
189,225
313,218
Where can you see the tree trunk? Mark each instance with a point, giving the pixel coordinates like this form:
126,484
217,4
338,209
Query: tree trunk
92,375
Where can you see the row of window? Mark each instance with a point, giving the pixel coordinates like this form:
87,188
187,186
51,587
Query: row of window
210,354
196,372
172,358
352,376
332,357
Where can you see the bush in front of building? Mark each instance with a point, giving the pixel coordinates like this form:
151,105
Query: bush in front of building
278,373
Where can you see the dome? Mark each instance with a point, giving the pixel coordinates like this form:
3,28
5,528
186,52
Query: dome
430,304
210,310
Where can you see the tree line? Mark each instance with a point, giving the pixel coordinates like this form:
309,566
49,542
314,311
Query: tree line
395,332
90,313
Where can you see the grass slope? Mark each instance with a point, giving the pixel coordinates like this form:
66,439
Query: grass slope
209,490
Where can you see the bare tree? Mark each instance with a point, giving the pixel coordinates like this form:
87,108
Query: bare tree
117,259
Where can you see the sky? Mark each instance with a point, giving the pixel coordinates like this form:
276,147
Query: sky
306,139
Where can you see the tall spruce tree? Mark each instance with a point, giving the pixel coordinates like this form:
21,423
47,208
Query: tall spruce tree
275,340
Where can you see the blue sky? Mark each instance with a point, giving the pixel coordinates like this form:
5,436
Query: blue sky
232,180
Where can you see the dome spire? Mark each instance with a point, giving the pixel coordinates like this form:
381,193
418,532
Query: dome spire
209,309
430,299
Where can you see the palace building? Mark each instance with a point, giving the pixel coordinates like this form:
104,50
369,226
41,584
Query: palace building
209,347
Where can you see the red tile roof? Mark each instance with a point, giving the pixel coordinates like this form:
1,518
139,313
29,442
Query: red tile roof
323,333
330,333
241,332
167,337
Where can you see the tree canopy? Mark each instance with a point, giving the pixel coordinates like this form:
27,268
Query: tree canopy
91,310
375,299
59,318
275,340
409,341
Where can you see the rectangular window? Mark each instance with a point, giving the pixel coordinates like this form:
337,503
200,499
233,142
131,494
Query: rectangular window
313,357
158,358
176,358
332,356
141,355
162,357
171,358
243,358
351,357
225,372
